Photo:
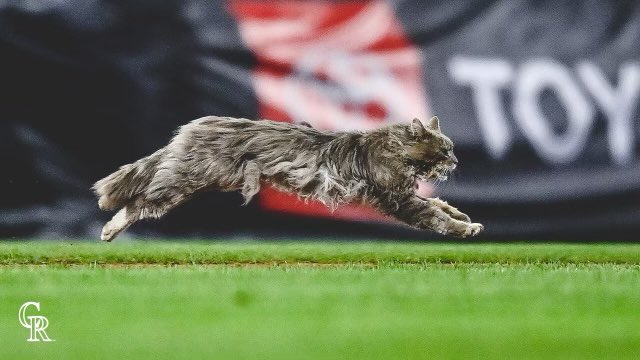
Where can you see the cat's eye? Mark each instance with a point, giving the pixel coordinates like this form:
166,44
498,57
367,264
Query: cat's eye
444,152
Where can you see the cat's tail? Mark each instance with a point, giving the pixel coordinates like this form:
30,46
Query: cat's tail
119,188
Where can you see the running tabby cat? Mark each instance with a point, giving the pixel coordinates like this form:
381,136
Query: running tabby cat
380,168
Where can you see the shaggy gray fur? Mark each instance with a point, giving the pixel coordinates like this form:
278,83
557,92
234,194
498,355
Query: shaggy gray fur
380,168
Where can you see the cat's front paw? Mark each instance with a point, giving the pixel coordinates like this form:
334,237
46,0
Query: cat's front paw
463,229
473,229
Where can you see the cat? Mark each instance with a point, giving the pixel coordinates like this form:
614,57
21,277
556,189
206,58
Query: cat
380,168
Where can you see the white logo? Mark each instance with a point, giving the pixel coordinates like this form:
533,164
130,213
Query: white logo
35,323
617,100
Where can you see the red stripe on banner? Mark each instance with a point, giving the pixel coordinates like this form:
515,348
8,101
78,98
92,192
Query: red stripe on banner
335,65
277,201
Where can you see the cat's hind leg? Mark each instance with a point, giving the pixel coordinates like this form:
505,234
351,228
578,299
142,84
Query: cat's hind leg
124,218
251,186
151,206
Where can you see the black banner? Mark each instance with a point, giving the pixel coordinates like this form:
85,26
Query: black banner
540,97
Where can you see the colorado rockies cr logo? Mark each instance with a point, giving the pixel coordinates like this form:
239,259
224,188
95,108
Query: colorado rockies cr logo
35,323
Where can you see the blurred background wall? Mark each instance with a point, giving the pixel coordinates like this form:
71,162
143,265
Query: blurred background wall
540,97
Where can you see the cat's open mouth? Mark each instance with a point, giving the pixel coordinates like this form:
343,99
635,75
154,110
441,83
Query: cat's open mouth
426,179
424,185
424,188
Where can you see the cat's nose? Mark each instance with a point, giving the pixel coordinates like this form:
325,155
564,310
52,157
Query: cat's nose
454,159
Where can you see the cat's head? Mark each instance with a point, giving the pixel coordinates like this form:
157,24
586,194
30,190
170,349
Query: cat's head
428,151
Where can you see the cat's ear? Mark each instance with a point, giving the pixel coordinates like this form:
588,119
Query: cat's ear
434,123
417,128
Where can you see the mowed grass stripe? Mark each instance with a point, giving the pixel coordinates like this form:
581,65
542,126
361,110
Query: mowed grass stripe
433,311
290,252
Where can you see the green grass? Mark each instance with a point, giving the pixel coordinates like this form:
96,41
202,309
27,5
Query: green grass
371,253
292,300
